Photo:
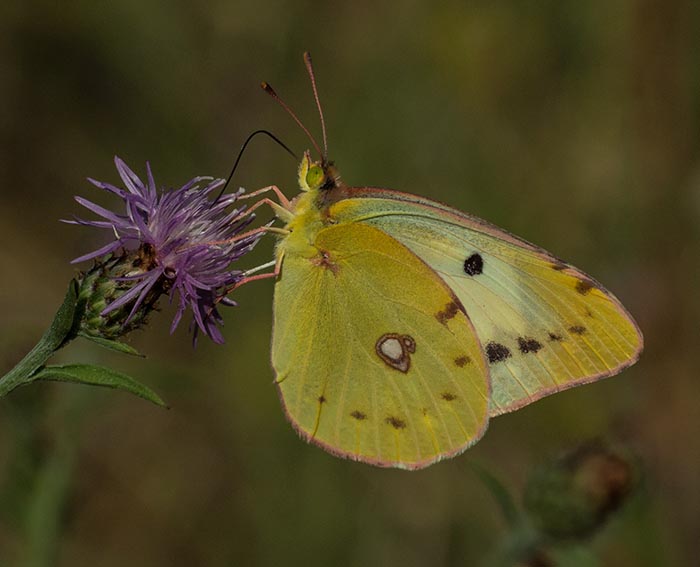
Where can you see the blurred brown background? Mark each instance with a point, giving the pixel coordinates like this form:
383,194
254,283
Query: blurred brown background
572,124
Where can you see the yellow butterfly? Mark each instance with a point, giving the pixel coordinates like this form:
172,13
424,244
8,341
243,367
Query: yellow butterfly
402,325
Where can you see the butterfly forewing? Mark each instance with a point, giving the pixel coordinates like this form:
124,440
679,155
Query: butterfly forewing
543,325
382,364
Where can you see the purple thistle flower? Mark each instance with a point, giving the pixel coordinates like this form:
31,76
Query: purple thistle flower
180,239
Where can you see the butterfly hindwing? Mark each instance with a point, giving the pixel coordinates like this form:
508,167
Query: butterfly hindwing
375,358
544,325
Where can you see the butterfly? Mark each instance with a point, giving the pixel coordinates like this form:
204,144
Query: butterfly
402,325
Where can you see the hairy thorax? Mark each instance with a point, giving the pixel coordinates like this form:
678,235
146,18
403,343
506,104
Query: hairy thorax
303,228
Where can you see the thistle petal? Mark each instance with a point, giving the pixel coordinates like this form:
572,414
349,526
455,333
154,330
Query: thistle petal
184,237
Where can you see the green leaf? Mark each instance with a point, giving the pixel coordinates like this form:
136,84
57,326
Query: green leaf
98,376
500,494
66,318
60,332
112,345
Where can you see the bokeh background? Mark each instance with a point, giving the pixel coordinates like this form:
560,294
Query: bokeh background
572,124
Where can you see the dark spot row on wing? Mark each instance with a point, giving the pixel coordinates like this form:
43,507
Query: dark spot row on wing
395,422
584,286
497,352
450,310
527,345
398,423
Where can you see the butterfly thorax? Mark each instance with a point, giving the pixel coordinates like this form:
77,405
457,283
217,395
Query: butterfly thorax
317,180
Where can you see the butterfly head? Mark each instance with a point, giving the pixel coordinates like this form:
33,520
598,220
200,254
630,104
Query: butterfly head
317,175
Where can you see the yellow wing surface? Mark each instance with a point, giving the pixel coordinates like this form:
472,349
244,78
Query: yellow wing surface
374,355
543,325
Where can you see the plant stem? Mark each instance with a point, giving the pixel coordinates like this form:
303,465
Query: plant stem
57,335
44,522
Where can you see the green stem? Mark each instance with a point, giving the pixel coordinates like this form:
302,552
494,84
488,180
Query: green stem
58,334
522,545
53,485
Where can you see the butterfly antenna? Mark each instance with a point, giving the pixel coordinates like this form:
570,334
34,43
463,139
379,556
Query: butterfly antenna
310,70
240,155
269,90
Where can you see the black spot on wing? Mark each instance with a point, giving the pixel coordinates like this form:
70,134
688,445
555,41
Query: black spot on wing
358,415
527,345
395,422
448,396
497,352
577,329
321,399
474,265
462,361
555,337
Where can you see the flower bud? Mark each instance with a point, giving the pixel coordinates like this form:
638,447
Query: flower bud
573,496
108,281
179,242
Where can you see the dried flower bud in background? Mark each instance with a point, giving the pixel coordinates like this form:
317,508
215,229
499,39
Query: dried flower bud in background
573,496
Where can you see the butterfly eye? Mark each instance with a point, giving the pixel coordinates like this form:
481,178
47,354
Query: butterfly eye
314,177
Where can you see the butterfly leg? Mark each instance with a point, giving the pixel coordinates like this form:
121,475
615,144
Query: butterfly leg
249,279
249,233
283,199
280,211
281,196
252,278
